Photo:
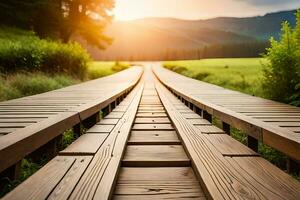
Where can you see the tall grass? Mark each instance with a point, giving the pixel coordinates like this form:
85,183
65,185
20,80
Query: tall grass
23,51
241,74
25,84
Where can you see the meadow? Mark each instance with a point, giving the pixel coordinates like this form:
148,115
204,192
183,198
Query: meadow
241,74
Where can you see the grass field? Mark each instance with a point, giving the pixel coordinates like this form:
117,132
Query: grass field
241,74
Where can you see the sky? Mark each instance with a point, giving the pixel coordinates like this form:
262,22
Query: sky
198,9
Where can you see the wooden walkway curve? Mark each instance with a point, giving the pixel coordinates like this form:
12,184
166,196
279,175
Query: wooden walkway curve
153,146
273,123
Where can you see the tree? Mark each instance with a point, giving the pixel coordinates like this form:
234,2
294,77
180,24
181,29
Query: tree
60,18
282,76
86,17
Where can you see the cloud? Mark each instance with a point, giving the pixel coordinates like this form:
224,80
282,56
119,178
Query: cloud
269,2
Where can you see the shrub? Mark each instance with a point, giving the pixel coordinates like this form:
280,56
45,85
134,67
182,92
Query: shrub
119,66
201,75
282,76
21,51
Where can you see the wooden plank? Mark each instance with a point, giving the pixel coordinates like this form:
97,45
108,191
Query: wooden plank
147,115
21,120
159,108
155,156
162,120
218,177
87,144
158,183
99,178
156,174
114,115
8,130
108,122
65,187
199,121
15,125
101,129
166,127
150,111
228,146
44,181
153,137
191,116
282,139
209,129
276,183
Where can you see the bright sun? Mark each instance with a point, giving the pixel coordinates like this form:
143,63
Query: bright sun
127,10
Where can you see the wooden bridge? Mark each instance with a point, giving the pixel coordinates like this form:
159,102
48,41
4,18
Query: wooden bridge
154,140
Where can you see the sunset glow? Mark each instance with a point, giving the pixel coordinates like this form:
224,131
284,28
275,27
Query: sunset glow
198,9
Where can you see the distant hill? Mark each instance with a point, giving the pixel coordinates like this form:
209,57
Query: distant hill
152,37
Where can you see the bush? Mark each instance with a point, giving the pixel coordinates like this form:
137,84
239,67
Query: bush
282,76
119,66
23,51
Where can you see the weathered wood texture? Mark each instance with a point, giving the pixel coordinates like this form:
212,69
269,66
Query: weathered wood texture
176,156
30,122
87,168
227,169
275,124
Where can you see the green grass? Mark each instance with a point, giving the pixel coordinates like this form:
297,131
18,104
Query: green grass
241,74
24,84
99,69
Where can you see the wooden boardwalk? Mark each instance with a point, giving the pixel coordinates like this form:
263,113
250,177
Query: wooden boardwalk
273,123
154,146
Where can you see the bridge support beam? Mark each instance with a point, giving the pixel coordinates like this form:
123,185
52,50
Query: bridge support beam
252,143
91,121
207,116
293,166
197,110
77,130
10,174
105,111
226,128
112,105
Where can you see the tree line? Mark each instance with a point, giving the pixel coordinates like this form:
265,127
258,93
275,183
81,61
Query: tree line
59,19
231,50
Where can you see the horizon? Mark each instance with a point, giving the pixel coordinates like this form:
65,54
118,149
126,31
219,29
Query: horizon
129,10
175,18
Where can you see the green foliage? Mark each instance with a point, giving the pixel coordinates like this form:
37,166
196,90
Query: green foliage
282,76
119,66
20,50
99,69
60,19
28,167
19,85
23,84
68,138
241,74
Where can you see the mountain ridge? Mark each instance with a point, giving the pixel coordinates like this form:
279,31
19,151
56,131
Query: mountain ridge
157,36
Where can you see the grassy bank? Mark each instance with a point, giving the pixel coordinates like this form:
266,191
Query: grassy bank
22,84
241,74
